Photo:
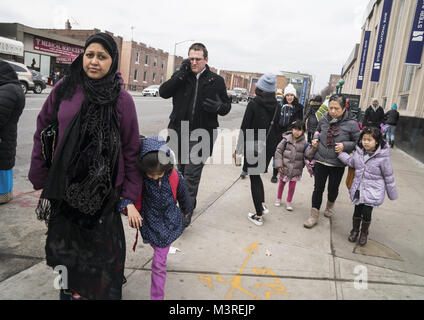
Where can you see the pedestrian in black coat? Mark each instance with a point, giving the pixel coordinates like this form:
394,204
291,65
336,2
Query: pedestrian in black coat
261,137
12,102
198,97
374,115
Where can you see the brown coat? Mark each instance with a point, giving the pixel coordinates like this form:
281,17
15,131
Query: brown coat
291,155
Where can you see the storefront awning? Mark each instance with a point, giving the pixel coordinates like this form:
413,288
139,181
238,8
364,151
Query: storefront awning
12,47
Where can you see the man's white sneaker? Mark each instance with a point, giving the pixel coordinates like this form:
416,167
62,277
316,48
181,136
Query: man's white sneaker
255,219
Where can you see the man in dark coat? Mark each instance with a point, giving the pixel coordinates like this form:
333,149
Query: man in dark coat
198,97
310,117
374,115
12,102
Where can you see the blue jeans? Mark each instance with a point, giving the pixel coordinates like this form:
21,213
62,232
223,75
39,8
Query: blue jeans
390,133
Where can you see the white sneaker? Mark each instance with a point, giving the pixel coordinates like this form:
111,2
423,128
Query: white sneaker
256,220
289,206
265,209
277,203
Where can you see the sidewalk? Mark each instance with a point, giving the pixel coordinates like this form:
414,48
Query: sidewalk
224,256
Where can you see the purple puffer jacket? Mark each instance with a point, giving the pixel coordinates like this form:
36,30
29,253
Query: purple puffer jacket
128,176
372,177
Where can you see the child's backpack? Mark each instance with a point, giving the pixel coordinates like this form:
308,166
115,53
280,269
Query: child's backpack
173,181
285,116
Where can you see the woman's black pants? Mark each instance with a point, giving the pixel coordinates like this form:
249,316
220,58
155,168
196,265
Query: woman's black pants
258,193
334,176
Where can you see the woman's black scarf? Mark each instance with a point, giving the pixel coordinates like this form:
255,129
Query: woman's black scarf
85,166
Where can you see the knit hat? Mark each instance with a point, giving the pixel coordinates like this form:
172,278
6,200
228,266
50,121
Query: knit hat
267,83
290,90
317,98
394,107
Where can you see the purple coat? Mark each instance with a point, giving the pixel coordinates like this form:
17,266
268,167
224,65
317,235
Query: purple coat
372,177
128,176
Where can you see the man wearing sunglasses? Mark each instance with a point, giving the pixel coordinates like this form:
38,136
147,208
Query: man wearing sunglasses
198,97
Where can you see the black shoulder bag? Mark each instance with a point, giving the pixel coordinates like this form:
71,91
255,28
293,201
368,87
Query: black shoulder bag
48,137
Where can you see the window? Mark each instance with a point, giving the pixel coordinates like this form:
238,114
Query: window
384,102
163,64
137,57
154,77
403,105
155,62
17,68
146,60
135,74
145,76
409,73
161,79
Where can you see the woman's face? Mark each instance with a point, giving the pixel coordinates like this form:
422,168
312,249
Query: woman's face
290,98
335,110
96,61
369,143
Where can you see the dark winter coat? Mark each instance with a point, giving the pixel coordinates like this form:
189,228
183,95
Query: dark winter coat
259,114
372,177
310,118
296,115
12,102
183,93
291,155
348,135
373,118
391,117
162,218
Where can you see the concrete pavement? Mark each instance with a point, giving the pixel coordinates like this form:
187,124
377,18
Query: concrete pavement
224,256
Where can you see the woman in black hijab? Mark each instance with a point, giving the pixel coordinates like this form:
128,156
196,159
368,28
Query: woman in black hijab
93,166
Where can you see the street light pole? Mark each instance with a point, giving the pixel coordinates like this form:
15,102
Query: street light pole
175,50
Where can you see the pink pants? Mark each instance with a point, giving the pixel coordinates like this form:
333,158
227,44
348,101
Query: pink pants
292,187
157,288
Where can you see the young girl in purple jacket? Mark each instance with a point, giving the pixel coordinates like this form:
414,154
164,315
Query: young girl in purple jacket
373,177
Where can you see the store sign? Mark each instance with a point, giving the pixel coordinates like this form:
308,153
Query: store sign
56,47
416,41
65,60
12,47
363,63
381,40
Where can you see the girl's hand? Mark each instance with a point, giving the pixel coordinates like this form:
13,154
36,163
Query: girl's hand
315,143
134,218
339,148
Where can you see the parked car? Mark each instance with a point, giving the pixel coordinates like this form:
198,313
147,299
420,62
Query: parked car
39,82
24,75
233,96
151,91
241,94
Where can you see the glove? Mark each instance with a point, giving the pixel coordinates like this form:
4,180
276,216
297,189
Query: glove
212,106
185,68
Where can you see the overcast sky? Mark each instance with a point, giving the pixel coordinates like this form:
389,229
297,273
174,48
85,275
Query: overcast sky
310,36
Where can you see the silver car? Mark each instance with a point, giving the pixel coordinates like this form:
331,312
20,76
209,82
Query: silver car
24,75
151,91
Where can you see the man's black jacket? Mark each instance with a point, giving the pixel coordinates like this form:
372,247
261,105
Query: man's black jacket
184,93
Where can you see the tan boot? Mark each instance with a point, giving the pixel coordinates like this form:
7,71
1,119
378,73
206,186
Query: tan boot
313,219
329,210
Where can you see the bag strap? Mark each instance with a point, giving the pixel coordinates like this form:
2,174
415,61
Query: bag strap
272,122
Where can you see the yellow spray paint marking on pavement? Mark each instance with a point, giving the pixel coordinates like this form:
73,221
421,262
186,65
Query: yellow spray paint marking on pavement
235,282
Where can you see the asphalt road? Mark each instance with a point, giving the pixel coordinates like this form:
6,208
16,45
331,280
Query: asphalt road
153,114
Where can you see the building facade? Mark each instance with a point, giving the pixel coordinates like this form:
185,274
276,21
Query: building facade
388,67
396,81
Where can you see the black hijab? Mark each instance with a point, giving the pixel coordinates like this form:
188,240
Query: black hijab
7,74
85,166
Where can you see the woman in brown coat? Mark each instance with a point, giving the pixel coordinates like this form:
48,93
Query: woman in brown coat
290,160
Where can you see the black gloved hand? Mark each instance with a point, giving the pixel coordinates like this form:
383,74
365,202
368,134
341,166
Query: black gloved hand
185,68
212,106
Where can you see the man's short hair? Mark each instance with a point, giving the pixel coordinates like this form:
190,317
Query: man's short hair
199,47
